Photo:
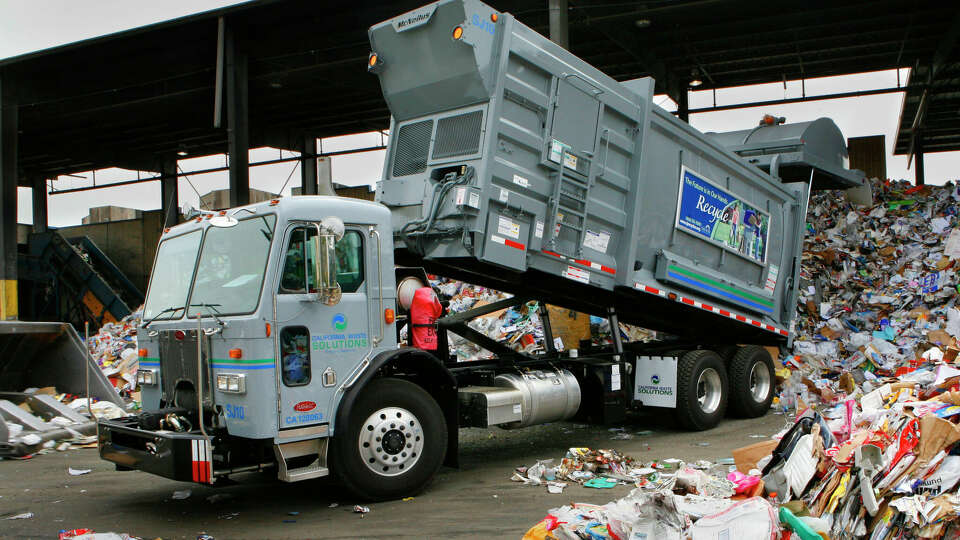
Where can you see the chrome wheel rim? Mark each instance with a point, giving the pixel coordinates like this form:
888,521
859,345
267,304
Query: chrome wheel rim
391,441
709,390
759,382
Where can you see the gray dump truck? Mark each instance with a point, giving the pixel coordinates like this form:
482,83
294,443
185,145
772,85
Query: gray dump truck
272,332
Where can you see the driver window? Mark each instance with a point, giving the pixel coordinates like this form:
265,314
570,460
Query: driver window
298,262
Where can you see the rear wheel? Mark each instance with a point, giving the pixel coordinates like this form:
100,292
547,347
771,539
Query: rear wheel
394,442
701,390
751,377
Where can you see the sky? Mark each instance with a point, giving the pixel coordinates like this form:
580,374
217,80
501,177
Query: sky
31,25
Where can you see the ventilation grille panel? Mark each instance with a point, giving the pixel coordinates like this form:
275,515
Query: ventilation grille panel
458,135
413,144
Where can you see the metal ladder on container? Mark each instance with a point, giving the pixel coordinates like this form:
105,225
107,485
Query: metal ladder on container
577,191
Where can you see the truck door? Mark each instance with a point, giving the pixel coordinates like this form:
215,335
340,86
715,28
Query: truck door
318,344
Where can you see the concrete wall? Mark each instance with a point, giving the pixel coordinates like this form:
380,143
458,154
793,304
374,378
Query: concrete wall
220,199
356,192
130,244
103,214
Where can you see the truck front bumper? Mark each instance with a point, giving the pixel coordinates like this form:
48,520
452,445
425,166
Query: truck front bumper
179,456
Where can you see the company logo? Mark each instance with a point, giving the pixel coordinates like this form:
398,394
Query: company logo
414,18
339,322
655,379
305,406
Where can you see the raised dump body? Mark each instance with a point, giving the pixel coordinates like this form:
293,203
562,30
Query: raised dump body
515,164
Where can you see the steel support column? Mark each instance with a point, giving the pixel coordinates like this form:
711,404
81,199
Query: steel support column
559,22
918,170
40,221
308,164
8,200
683,106
169,192
238,128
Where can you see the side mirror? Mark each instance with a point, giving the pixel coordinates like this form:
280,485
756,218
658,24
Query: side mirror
329,231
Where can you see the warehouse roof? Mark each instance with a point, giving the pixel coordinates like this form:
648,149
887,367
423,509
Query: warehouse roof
127,98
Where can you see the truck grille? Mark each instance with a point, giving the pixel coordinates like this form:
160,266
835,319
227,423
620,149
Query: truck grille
413,143
178,369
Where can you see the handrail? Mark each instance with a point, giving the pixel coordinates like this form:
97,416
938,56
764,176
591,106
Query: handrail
376,341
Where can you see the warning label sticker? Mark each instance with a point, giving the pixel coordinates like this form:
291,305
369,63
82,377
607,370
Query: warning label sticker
538,231
772,276
508,227
520,181
597,241
577,274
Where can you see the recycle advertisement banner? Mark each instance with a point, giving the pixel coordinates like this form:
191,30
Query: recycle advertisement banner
711,212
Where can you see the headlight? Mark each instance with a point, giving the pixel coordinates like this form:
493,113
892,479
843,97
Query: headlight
234,384
147,376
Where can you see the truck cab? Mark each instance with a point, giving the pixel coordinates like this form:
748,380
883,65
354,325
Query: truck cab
257,322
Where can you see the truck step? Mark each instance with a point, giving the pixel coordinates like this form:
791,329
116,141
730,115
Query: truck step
313,470
294,463
485,406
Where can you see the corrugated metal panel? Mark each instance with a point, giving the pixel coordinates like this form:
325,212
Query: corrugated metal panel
869,155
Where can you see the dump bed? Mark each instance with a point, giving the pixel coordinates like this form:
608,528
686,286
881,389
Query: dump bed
514,164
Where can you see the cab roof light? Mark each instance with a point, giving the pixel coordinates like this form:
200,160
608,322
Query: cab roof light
494,17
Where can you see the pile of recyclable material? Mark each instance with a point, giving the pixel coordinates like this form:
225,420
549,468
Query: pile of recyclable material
872,390
114,348
878,284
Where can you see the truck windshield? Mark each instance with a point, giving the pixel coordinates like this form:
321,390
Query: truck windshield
171,278
231,266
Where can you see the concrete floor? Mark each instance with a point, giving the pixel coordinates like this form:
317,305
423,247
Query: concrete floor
476,501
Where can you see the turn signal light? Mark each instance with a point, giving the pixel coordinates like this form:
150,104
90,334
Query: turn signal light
236,353
268,329
389,316
458,32
142,353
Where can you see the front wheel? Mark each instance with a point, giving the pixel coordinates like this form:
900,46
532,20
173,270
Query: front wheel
394,442
701,390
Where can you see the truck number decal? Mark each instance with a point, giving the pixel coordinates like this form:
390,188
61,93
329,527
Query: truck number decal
303,418
485,24
234,411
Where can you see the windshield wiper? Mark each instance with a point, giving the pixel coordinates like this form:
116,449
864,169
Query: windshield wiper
212,310
164,312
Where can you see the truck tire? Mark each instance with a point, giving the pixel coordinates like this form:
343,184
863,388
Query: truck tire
751,376
394,442
701,390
